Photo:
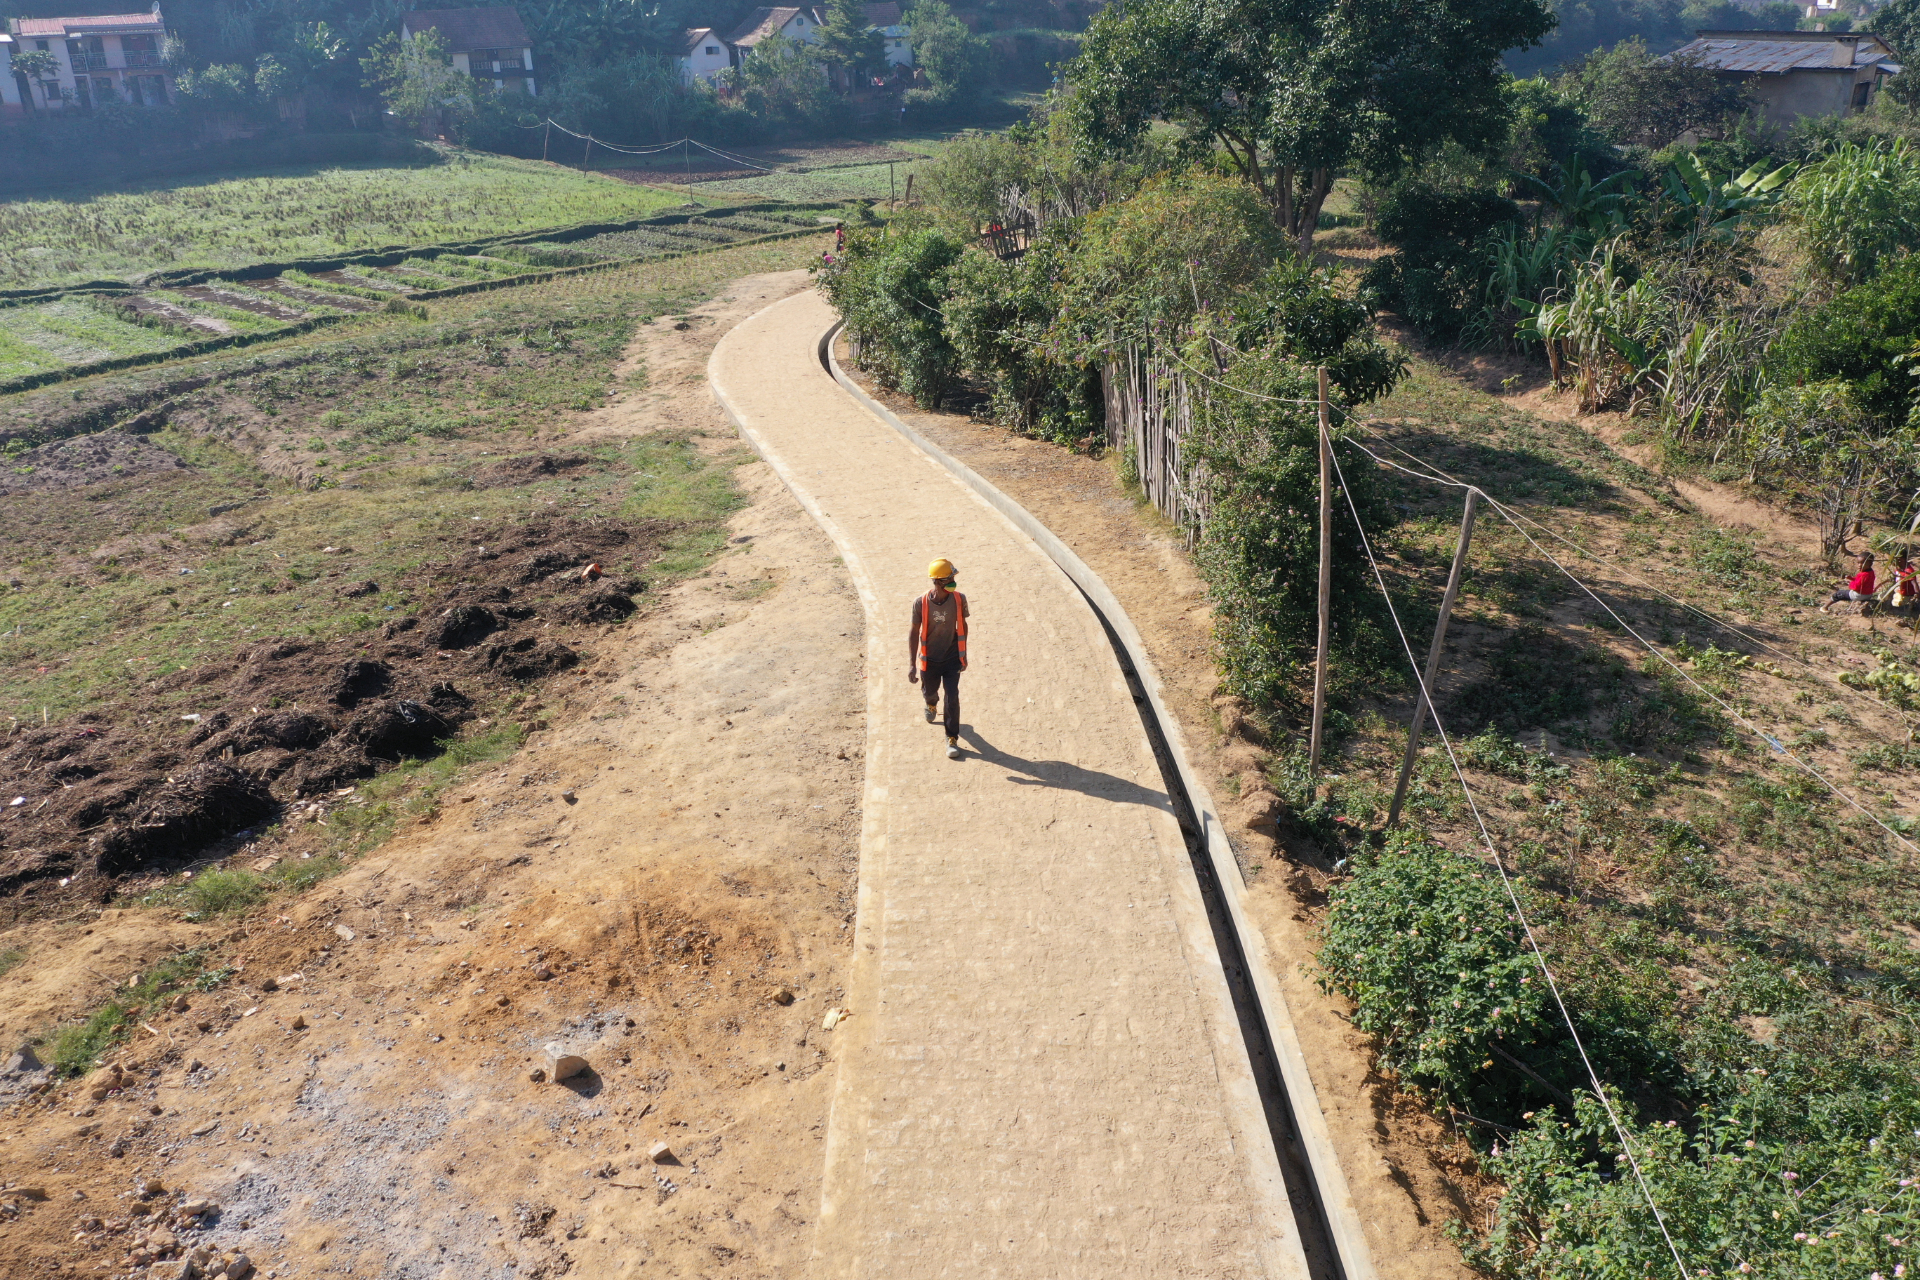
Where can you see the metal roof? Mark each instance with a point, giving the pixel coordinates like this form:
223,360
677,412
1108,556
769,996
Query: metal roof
467,30
103,24
1779,52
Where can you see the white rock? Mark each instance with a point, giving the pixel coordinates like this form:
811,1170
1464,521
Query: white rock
562,1065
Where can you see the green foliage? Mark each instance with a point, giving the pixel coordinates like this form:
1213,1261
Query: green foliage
1151,263
953,58
846,41
1743,1190
1550,132
999,316
1815,441
1630,95
1259,456
36,64
222,892
1439,234
1425,944
1035,168
891,286
78,1048
419,83
785,84
1295,95
1858,208
1860,338
1296,310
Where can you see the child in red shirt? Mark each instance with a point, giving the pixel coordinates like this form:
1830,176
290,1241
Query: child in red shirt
1859,588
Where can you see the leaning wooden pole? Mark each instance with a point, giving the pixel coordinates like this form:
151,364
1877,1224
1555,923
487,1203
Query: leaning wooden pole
1433,657
1326,581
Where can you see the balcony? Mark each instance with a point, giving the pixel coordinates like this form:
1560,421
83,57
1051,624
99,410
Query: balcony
147,60
83,62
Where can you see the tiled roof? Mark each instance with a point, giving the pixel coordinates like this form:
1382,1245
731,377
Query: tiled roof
103,24
465,30
760,24
886,14
692,38
1778,52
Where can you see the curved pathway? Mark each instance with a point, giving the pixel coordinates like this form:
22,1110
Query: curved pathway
1042,1075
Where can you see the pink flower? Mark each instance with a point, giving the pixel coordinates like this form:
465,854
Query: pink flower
1800,1235
1790,1177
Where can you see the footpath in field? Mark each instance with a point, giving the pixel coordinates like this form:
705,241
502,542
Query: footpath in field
1041,1074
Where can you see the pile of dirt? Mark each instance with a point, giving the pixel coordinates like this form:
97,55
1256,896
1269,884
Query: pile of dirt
515,471
83,460
140,787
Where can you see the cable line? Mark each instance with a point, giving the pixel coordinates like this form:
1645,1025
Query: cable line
1520,914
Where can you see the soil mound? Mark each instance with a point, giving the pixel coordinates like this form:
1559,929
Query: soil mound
514,471
83,460
147,785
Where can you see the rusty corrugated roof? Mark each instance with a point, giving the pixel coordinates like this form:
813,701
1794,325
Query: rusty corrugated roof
1778,52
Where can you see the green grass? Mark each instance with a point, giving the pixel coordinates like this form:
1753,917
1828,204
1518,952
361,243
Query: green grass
72,331
284,214
412,790
80,1047
10,959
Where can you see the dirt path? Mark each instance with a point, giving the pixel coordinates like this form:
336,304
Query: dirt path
1041,1075
645,884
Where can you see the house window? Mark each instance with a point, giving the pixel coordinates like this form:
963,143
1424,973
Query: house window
713,50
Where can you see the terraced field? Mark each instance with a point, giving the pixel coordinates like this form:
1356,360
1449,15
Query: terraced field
60,334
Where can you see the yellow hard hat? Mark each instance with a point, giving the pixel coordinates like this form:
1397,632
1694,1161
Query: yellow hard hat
941,568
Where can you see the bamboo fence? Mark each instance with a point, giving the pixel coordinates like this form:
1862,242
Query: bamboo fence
1150,409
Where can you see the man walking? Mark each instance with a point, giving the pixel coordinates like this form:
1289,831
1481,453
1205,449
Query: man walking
937,648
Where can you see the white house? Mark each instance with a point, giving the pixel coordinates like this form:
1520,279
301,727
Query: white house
100,59
9,87
489,44
800,25
803,25
703,54
893,33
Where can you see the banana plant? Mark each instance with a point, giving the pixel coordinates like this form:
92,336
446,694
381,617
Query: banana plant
1593,211
1698,208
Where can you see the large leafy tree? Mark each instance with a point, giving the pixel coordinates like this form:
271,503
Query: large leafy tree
1632,96
1294,90
848,41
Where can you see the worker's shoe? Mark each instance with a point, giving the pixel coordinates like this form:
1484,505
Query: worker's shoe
932,711
953,748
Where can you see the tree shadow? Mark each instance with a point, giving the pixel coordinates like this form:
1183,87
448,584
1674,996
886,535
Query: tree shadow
1063,776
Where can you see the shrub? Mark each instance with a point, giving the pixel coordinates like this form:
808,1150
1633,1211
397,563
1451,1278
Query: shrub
1859,338
1423,941
891,286
998,316
215,893
1433,279
1258,456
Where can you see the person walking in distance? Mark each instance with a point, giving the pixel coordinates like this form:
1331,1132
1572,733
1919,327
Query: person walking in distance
937,648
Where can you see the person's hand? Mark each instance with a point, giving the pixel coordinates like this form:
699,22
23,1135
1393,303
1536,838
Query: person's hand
913,675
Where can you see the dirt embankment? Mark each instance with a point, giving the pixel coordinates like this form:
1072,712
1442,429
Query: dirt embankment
661,882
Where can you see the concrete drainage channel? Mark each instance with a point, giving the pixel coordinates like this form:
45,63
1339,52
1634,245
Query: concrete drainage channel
1330,1232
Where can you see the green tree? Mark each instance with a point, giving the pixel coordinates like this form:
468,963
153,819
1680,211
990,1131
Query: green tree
848,42
1295,93
36,64
419,83
224,86
1898,23
953,58
1632,96
784,84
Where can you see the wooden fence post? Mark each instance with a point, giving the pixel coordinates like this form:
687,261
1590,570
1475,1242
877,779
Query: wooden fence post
1326,582
1433,657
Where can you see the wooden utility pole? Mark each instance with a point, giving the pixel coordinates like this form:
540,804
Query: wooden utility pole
1326,581
893,194
1433,657
546,137
588,155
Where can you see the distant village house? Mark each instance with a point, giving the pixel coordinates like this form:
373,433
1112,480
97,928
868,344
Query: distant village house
97,60
1795,74
703,54
803,26
489,44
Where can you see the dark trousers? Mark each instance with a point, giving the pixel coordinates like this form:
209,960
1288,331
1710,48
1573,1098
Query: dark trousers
945,675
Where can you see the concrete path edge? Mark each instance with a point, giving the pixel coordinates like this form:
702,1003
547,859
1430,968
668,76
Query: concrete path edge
1343,1218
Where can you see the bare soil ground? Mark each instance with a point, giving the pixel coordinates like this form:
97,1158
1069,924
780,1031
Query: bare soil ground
1408,1173
659,882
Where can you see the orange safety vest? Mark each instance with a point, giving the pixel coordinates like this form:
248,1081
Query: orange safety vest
959,625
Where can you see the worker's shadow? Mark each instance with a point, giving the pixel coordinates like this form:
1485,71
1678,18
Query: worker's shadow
1063,776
